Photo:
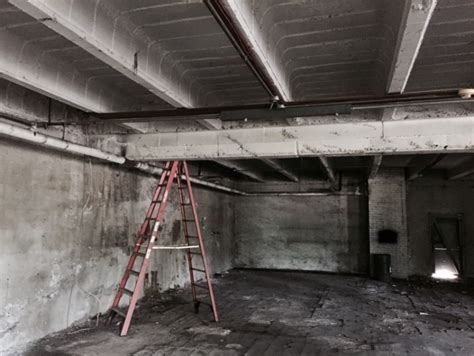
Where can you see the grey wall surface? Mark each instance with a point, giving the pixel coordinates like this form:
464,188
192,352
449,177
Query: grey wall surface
438,196
323,233
66,227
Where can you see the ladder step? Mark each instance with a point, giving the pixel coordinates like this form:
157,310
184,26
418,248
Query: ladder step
119,312
192,237
187,220
156,201
200,286
198,270
132,272
127,291
141,254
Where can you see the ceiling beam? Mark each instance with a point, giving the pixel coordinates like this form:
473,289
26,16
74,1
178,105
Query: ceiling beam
280,169
238,167
433,135
111,39
118,43
250,33
415,20
328,170
463,170
376,163
25,63
422,164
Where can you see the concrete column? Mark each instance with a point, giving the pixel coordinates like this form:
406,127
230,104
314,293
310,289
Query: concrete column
387,210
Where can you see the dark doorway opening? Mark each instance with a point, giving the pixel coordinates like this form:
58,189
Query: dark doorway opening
446,237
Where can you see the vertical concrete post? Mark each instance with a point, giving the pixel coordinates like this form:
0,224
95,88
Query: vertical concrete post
387,210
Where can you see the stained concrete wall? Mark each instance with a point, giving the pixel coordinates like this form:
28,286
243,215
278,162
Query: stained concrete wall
387,210
322,233
66,227
438,196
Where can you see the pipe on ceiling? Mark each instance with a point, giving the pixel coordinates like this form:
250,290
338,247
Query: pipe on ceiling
34,137
221,16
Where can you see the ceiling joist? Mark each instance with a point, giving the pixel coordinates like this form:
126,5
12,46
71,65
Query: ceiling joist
416,17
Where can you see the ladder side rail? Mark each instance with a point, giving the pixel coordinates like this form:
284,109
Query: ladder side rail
201,245
186,234
156,196
144,265
141,235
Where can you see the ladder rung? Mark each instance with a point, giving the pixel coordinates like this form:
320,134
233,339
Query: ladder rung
188,220
156,201
198,270
141,254
192,237
127,291
195,253
119,312
182,247
150,218
200,286
135,273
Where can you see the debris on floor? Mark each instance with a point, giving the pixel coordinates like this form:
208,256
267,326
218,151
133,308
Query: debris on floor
290,313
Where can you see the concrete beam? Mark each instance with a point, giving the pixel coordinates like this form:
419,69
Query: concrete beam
463,170
376,163
98,28
416,17
328,170
434,135
242,169
26,64
422,163
243,16
118,43
280,169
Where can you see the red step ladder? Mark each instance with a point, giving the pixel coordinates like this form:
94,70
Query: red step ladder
137,265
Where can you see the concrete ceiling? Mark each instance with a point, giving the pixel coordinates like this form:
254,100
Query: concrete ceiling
316,49
446,56
120,55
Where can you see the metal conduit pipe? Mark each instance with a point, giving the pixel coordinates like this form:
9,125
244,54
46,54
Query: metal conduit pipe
56,143
63,145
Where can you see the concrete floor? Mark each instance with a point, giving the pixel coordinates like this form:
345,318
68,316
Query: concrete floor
290,313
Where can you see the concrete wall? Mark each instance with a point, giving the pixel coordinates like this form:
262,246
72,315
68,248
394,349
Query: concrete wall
66,227
438,196
323,233
387,210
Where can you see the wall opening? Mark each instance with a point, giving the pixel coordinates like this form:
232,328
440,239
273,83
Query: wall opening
446,231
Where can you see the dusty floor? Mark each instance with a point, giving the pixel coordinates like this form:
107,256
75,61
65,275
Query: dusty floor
285,313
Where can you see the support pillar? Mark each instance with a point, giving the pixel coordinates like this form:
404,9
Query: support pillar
387,210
